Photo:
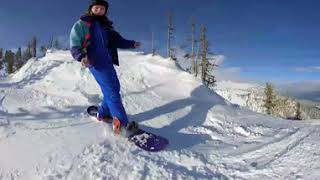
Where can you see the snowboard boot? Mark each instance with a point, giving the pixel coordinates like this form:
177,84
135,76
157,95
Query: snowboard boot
130,128
106,118
116,126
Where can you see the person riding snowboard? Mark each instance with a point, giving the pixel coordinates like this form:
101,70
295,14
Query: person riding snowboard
94,43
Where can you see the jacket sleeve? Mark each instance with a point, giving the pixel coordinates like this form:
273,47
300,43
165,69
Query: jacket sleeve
119,42
77,36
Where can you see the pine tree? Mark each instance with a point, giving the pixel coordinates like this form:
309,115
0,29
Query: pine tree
33,48
170,37
298,111
26,55
207,63
56,43
198,59
210,79
43,50
1,58
270,98
18,59
9,57
50,45
193,41
1,53
152,44
204,52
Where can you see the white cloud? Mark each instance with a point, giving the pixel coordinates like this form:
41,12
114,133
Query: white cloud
302,89
230,73
307,69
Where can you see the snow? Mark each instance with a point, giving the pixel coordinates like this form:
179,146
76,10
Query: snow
243,94
45,132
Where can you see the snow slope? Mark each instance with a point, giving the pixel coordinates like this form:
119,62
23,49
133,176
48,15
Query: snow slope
46,134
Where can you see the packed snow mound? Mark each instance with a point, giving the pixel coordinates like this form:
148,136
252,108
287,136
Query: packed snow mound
45,132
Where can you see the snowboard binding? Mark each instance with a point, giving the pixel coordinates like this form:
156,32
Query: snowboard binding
132,126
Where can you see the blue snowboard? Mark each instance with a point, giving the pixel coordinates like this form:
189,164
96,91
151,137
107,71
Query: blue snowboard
141,138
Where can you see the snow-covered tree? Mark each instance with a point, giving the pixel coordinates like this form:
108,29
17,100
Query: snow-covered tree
282,107
298,115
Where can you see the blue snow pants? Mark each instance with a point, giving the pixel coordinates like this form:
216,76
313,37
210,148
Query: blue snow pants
110,87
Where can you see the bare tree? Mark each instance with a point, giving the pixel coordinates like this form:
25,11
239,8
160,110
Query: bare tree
189,47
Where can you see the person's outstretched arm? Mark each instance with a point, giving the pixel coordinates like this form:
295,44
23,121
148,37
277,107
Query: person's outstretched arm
119,42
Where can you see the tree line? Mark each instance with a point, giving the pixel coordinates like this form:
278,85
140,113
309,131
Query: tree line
11,61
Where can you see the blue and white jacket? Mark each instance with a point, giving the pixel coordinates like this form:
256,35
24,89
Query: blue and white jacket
99,43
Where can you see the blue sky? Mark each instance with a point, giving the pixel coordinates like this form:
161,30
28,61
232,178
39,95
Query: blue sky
266,40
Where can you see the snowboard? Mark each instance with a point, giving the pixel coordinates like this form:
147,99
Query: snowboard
141,138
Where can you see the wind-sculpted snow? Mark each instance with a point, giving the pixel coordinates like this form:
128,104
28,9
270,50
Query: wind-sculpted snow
45,132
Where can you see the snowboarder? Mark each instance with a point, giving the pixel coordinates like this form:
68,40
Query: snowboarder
94,43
